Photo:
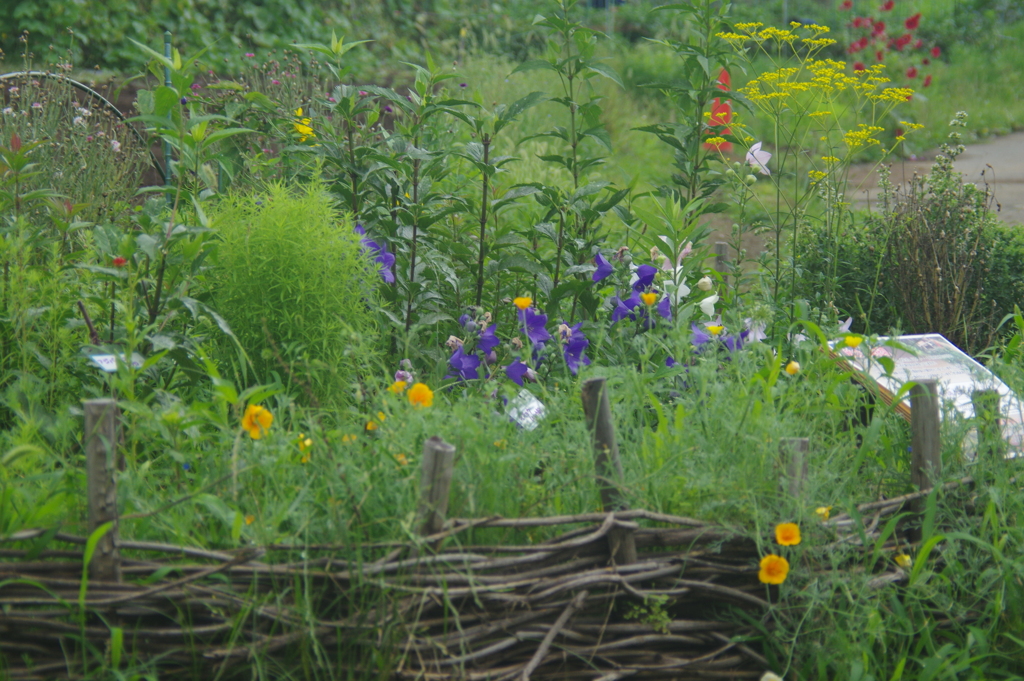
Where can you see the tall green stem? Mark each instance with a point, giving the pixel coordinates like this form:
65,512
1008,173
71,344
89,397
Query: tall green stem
483,223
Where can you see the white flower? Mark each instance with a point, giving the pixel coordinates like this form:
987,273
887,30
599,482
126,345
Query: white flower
759,159
78,120
83,111
116,146
8,110
756,331
681,291
705,284
707,306
845,326
769,676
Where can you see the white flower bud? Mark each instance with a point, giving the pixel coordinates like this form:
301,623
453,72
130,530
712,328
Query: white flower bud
705,284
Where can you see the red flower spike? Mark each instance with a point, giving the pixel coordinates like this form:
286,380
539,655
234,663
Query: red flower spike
918,44
913,22
15,142
847,4
926,61
887,6
721,112
927,81
879,56
936,51
859,66
898,132
120,262
912,72
724,81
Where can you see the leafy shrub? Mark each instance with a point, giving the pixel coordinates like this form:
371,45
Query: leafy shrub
935,260
295,288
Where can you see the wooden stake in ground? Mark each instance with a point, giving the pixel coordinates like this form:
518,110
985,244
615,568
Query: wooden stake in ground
926,449
607,465
925,446
100,446
435,484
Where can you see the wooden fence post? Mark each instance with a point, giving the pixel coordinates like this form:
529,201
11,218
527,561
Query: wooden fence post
926,449
435,484
607,465
793,451
100,445
989,428
925,446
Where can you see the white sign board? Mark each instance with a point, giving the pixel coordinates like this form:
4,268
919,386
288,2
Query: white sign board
932,357
526,410
108,363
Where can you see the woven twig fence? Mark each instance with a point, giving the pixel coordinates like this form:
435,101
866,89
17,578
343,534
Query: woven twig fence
618,594
556,609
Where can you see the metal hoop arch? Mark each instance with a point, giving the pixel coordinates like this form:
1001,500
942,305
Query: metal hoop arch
95,95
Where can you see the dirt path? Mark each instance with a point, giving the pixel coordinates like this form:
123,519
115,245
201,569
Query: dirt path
999,162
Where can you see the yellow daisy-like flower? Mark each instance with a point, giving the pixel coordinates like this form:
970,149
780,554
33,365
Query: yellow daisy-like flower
398,387
304,442
903,560
250,519
823,512
523,302
256,421
715,329
852,341
374,425
787,534
774,569
302,126
793,368
346,438
649,298
402,459
420,395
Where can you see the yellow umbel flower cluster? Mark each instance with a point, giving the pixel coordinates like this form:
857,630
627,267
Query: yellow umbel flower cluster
862,136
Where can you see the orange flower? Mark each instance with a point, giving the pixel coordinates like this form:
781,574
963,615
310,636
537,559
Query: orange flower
257,421
774,569
649,298
420,395
523,302
787,534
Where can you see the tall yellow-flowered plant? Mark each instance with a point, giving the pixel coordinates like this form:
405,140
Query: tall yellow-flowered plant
824,114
